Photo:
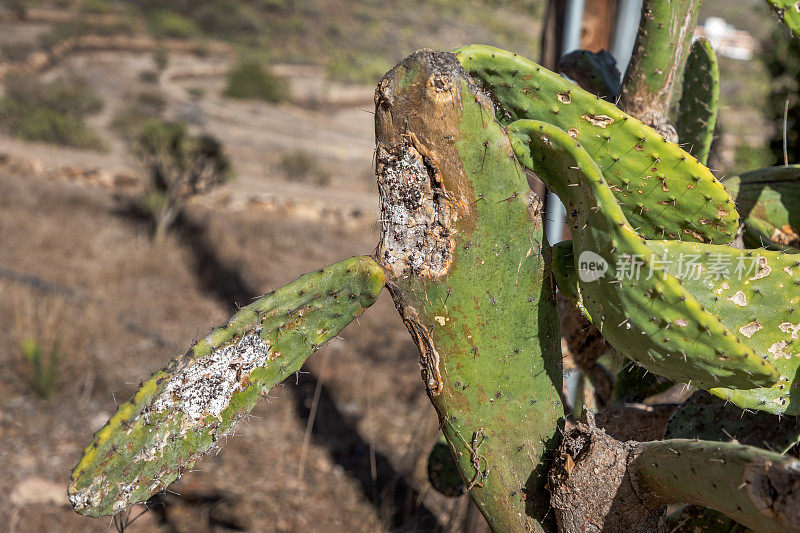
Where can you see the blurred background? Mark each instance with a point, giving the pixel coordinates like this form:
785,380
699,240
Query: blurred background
162,163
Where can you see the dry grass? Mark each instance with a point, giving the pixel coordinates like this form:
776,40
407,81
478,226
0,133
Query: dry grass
364,467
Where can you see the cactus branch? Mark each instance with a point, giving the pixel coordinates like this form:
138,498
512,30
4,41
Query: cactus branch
755,487
662,44
697,112
184,410
462,246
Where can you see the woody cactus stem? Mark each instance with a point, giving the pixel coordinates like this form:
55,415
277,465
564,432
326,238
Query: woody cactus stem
755,487
662,45
462,248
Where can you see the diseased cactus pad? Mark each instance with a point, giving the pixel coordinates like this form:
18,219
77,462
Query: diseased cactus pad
756,295
183,410
640,307
664,192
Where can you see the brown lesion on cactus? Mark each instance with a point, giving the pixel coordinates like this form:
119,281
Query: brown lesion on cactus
416,238
428,356
424,190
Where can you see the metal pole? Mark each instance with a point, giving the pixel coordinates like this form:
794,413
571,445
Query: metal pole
626,25
554,211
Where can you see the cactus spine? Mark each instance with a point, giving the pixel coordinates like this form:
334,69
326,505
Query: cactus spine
183,410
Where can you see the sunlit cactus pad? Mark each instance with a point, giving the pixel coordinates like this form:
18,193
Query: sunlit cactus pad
183,410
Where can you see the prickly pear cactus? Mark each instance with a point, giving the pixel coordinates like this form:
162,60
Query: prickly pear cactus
462,246
639,306
755,487
662,45
756,295
184,410
768,201
699,104
664,191
789,13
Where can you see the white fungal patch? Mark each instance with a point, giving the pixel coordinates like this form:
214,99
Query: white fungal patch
788,270
778,350
763,268
748,329
682,322
722,287
415,215
206,385
739,298
599,120
786,327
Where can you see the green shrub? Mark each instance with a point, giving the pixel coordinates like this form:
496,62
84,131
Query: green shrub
302,166
356,67
161,57
146,105
181,167
170,24
251,79
51,113
42,373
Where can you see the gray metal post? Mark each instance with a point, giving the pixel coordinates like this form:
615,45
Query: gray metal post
626,25
555,214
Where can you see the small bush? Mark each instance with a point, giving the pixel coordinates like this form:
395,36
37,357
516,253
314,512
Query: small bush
16,51
148,76
51,113
356,67
181,166
302,166
161,57
42,376
170,24
146,105
251,79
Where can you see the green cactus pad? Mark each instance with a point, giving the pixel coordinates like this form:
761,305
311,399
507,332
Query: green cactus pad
183,410
768,201
697,111
789,13
479,304
707,417
756,295
755,487
643,311
664,191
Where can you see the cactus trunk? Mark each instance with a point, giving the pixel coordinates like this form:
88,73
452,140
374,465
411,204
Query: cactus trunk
662,45
462,246
601,484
